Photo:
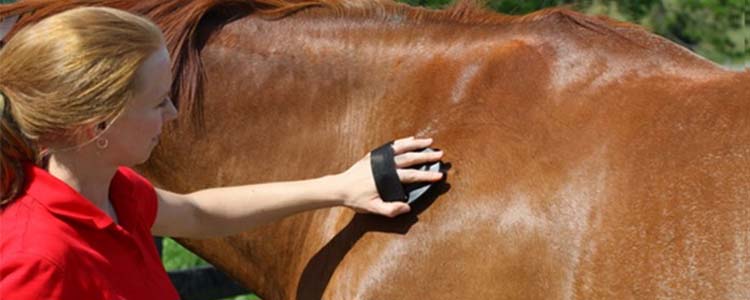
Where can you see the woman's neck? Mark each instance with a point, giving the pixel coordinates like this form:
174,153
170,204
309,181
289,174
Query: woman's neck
90,177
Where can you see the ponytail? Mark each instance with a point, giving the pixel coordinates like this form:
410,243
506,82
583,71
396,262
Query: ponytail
15,148
89,58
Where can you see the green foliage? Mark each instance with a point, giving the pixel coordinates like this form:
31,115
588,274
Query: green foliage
521,7
716,29
428,3
176,257
243,297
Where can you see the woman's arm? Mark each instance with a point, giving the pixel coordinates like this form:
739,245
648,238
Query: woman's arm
229,210
223,211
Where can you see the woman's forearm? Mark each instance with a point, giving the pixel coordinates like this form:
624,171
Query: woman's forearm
230,210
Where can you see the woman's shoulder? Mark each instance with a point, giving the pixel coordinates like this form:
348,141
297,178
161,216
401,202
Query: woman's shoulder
134,180
140,194
31,232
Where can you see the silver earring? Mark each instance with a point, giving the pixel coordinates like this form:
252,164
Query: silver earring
102,143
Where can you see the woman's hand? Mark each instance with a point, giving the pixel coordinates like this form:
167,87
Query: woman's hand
358,184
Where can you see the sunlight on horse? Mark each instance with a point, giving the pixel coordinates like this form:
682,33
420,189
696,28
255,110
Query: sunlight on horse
590,158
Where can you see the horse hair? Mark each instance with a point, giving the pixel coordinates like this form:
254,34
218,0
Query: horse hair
186,24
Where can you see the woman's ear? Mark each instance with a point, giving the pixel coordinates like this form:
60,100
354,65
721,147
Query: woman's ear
92,131
101,127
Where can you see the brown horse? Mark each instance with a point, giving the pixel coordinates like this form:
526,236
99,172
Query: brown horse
590,159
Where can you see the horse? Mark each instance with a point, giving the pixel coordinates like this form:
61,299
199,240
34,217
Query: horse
589,158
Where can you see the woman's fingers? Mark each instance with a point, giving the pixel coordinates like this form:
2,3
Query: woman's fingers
391,209
405,158
410,144
411,175
416,158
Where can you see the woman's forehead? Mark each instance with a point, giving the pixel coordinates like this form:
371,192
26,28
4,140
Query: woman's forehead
155,75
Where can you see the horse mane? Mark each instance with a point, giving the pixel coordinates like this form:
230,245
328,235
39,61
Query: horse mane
187,25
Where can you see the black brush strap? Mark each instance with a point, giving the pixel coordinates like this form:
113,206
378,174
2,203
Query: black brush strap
384,171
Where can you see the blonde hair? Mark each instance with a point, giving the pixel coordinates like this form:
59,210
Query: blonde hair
68,71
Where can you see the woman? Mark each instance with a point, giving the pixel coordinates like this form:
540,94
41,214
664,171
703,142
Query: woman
84,93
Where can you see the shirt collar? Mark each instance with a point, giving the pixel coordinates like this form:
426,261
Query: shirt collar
62,200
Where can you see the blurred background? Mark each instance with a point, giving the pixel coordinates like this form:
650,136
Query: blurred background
715,29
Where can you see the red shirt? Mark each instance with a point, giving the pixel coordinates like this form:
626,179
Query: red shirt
55,244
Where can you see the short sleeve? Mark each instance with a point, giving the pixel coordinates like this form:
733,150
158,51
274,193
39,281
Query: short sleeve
30,276
144,195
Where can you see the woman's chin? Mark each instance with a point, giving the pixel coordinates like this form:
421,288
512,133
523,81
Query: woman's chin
143,158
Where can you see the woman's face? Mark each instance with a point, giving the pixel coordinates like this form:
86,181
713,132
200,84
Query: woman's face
134,135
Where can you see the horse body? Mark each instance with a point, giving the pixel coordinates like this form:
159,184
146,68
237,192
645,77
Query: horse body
590,160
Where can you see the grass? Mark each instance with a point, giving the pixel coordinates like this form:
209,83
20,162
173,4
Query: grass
176,257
